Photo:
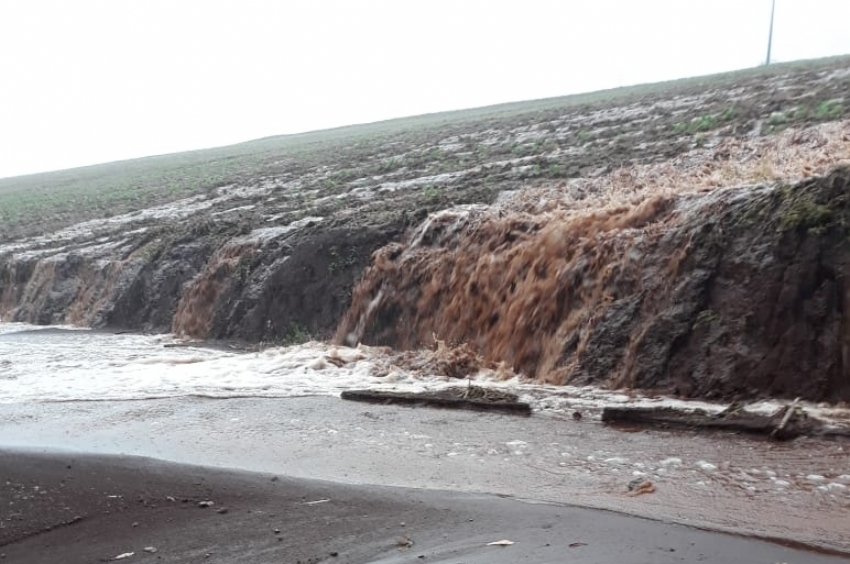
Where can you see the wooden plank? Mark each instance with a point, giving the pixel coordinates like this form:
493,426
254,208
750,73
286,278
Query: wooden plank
784,425
448,399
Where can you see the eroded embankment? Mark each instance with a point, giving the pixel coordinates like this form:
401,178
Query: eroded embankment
280,283
583,242
734,292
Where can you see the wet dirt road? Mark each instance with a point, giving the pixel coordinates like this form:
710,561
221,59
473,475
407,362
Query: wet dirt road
798,491
81,508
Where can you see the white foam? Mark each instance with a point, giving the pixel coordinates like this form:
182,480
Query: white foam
263,235
87,365
672,461
84,365
14,327
706,466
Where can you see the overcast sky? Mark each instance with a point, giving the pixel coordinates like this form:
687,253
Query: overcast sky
86,81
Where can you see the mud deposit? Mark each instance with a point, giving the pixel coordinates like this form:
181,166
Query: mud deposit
150,511
686,238
797,491
100,392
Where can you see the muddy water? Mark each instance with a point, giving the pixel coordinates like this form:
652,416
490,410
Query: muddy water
689,294
797,491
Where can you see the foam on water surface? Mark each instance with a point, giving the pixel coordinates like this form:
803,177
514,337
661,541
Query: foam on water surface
63,363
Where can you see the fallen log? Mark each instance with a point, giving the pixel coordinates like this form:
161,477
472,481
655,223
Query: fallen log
788,423
453,398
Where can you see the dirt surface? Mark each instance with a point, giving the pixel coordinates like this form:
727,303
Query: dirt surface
77,508
798,491
665,277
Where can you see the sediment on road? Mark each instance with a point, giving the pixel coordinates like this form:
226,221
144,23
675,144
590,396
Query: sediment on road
77,508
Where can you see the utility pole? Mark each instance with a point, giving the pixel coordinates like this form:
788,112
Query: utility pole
770,35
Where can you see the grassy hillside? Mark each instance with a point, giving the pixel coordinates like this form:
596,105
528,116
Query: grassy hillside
39,203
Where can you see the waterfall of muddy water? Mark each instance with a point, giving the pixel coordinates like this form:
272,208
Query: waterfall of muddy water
87,286
514,287
702,294
50,375
34,293
195,311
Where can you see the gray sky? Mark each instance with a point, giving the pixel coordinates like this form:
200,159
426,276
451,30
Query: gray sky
94,81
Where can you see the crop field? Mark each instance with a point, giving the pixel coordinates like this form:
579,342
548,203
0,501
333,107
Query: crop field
502,146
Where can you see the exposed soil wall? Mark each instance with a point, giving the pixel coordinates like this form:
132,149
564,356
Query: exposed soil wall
209,284
735,293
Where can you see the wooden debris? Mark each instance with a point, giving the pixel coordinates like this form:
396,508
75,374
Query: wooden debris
788,423
789,413
475,398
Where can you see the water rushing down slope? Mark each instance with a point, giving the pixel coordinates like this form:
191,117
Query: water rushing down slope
689,241
734,293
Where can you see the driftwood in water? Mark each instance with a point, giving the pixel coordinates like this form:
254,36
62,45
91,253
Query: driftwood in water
452,398
788,423
790,412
